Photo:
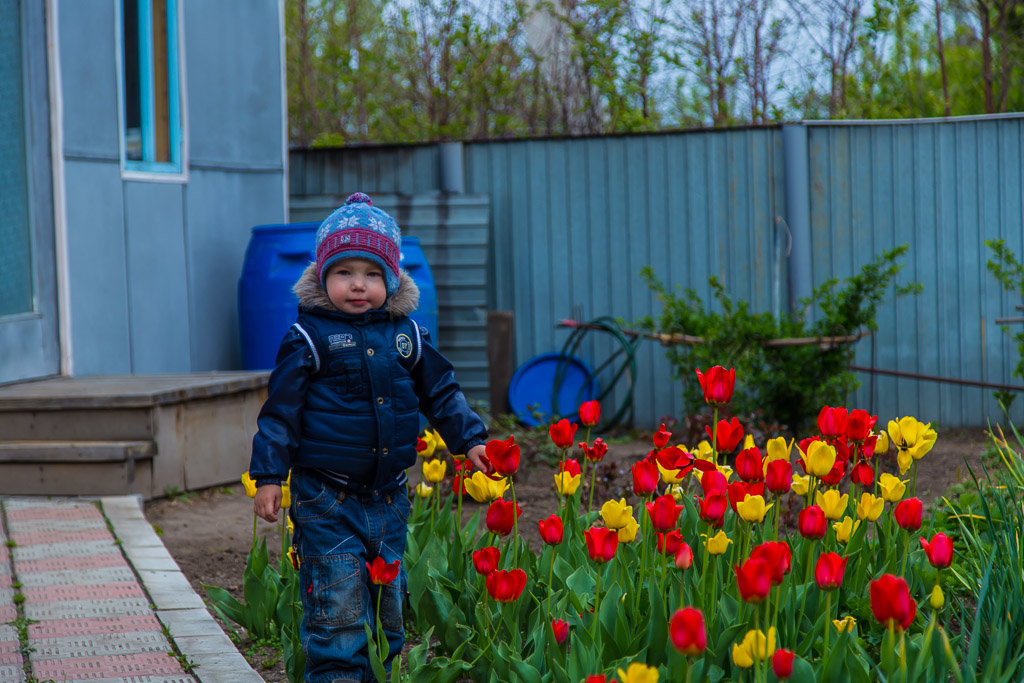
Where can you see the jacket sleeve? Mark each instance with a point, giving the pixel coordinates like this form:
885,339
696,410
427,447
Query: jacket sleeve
442,400
280,420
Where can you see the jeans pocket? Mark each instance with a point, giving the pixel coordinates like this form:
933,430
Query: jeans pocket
391,603
334,589
311,499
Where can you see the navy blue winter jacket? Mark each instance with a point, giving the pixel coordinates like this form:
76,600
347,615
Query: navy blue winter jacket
346,391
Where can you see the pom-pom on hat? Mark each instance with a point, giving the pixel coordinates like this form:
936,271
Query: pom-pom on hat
359,229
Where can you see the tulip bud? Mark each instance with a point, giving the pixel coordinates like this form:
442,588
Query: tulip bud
937,599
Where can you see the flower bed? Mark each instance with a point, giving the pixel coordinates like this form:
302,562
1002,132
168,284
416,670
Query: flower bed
695,578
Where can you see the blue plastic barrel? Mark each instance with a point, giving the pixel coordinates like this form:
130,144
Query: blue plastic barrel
274,260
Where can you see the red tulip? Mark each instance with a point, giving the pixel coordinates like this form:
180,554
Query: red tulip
560,628
601,543
713,480
749,464
713,507
939,551
891,602
829,570
571,466
486,560
501,517
832,422
782,663
669,543
812,522
728,436
836,474
645,477
590,413
754,579
596,678
597,452
551,530
382,573
862,474
908,513
778,557
504,456
459,485
859,425
562,433
661,437
779,476
663,512
675,458
717,385
687,631
506,586
684,557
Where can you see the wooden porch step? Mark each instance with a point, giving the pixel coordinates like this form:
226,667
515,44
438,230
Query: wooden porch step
75,451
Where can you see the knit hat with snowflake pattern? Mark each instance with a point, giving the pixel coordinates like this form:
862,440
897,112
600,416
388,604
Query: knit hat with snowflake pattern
359,229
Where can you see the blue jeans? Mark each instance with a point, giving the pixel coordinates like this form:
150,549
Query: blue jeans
336,534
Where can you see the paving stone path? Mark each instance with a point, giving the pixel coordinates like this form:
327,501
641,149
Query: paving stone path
89,593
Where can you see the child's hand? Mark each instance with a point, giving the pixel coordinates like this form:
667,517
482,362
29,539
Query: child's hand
478,455
267,502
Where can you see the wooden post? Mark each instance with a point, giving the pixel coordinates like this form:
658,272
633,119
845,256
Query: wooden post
500,357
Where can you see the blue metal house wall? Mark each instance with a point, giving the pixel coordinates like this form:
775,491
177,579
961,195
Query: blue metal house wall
944,188
153,266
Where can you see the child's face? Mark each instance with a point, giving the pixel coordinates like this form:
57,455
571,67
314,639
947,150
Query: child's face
356,285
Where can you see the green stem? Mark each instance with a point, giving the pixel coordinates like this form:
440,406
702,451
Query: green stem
913,483
254,519
551,573
714,439
593,479
828,619
515,526
597,603
379,630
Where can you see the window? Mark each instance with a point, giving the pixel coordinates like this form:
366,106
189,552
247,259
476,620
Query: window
152,109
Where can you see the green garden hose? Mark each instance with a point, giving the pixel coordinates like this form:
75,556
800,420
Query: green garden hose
627,366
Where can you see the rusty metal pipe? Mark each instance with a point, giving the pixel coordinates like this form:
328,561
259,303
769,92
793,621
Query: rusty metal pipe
938,378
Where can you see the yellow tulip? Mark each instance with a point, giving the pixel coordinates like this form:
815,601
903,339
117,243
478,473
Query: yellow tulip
717,544
726,471
249,484
748,442
882,443
891,487
433,470
845,624
703,450
424,491
678,492
639,673
912,438
778,449
627,533
669,476
286,491
289,524
801,484
870,507
937,599
431,445
820,458
831,503
483,489
752,509
616,513
293,557
845,529
567,483
755,647
438,440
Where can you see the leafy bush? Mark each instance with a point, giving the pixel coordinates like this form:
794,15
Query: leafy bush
1010,273
788,382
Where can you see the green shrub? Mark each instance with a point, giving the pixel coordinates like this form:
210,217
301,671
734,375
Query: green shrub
789,383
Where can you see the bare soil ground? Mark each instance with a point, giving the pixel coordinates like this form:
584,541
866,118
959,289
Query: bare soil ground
209,532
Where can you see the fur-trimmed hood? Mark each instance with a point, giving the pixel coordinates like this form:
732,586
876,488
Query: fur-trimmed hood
401,303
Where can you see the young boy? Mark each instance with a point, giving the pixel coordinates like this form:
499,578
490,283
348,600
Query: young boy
342,414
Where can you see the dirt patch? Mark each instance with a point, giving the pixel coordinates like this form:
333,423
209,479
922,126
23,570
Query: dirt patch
209,533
